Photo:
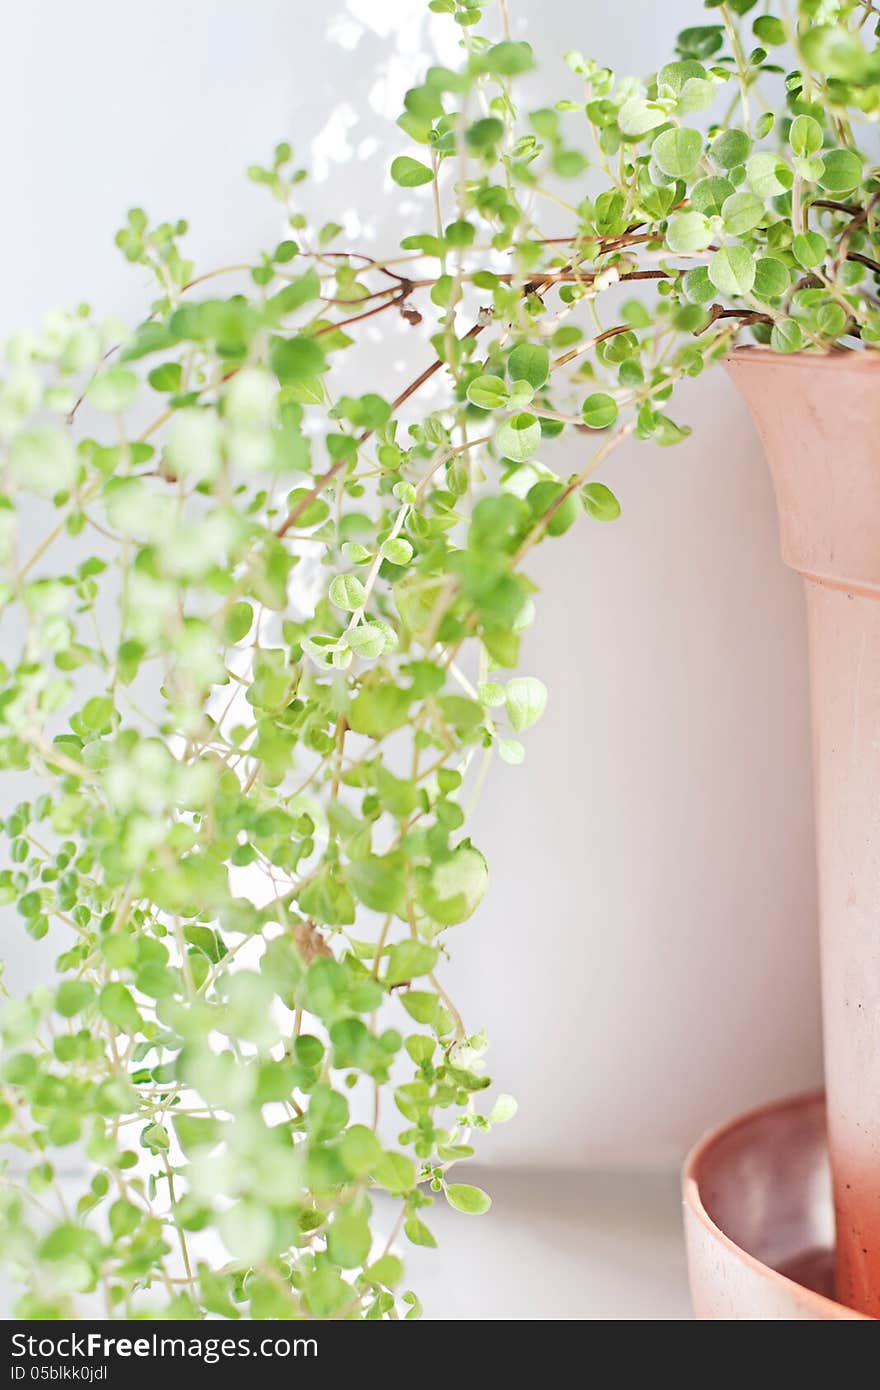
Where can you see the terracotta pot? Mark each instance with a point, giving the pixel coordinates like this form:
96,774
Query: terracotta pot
819,421
759,1220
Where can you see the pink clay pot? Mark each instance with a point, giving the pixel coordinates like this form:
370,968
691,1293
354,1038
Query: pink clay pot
819,421
759,1219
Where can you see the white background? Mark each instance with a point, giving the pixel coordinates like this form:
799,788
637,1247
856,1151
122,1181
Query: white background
645,963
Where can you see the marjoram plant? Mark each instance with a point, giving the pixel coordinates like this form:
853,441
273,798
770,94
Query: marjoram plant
258,660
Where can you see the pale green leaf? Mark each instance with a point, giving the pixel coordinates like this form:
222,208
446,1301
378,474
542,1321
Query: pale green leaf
473,1201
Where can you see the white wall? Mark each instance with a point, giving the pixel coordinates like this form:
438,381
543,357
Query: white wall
653,893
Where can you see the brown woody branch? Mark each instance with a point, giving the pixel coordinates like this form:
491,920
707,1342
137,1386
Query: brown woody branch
864,260
397,300
746,316
843,251
851,209
534,286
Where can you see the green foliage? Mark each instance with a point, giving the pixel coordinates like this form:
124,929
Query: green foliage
246,836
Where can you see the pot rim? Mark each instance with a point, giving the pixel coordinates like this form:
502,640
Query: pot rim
693,1202
865,359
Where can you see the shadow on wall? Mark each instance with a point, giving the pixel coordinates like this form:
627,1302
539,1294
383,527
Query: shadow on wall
645,963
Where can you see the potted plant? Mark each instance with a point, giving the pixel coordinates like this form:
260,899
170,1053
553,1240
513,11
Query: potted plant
814,402
261,698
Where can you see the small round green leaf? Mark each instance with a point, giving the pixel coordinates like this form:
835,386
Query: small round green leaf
397,551
359,1150
697,94
119,1008
770,30
741,213
113,390
599,502
709,195
296,359
771,278
786,336
678,151
488,392
599,411
407,960
529,362
637,116
688,232
835,51
768,175
519,437
508,58
805,136
367,641
72,996
349,1238
511,751
809,249
831,320
347,592
525,699
504,1109
842,172
44,460
410,173
697,286
677,75
395,1172
473,1201
731,148
452,889
732,270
